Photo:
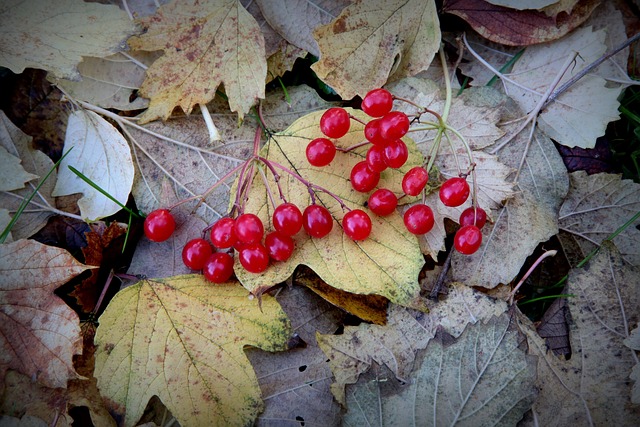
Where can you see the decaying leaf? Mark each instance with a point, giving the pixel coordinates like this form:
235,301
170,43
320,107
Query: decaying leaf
40,333
101,154
518,27
387,263
182,340
592,388
54,36
205,44
483,378
12,174
372,42
406,331
633,342
596,206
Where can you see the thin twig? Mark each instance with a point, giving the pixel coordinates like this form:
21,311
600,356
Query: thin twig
547,254
441,277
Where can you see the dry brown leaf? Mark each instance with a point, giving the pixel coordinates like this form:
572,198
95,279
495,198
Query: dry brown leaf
40,333
205,44
518,28
596,206
375,41
591,388
633,342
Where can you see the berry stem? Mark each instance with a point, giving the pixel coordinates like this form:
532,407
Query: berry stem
447,85
266,186
353,147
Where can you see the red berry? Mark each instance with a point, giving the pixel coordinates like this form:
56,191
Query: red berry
254,257
335,122
377,102
159,225
279,246
396,154
356,224
287,219
222,234
468,239
414,181
218,268
248,228
362,178
372,132
394,125
317,221
467,217
195,253
375,158
454,192
320,152
419,219
382,202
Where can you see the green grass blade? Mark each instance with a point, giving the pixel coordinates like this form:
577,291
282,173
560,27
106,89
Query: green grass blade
532,300
506,67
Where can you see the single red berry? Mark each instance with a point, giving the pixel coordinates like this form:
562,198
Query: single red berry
254,257
218,268
372,133
467,239
396,154
335,122
419,219
377,102
467,217
394,125
287,219
320,152
195,253
159,225
279,246
375,158
248,228
362,178
356,224
382,202
414,181
222,234
454,192
317,221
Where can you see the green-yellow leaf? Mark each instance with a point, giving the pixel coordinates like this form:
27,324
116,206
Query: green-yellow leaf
182,339
387,263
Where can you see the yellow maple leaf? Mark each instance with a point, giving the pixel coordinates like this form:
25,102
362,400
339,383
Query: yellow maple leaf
205,44
373,41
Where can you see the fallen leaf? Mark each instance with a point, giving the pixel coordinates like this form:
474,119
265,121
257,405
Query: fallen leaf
633,342
406,331
580,114
5,219
592,387
110,82
517,28
591,160
24,421
55,36
596,206
554,328
295,384
36,164
182,340
296,20
40,333
12,174
372,42
515,4
556,7
387,263
101,154
483,378
204,44
527,219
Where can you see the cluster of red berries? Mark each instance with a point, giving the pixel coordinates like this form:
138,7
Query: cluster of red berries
384,132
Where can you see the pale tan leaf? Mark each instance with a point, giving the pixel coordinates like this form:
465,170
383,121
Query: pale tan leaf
54,36
592,388
596,206
101,154
40,334
195,333
556,7
372,42
12,174
484,378
205,45
295,20
633,342
406,331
